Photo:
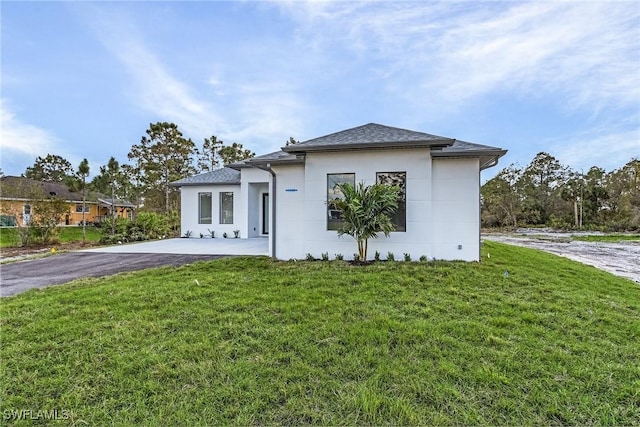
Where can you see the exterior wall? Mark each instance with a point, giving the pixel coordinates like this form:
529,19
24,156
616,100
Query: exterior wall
442,205
254,183
290,207
456,209
94,214
417,165
189,215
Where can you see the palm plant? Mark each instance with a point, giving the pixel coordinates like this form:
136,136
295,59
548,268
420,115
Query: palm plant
366,211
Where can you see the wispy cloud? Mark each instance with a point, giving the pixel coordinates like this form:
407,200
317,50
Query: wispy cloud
154,88
584,53
20,139
598,147
257,115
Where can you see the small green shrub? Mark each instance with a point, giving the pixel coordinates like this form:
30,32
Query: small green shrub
390,256
325,256
407,257
188,234
339,257
310,257
376,256
423,258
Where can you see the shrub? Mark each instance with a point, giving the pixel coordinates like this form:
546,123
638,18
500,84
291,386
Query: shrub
407,257
339,257
423,258
390,256
310,257
325,256
376,256
188,234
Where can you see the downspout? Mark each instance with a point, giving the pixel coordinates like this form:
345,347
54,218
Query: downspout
272,196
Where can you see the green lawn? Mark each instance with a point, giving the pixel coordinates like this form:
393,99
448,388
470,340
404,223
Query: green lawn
611,238
250,341
9,236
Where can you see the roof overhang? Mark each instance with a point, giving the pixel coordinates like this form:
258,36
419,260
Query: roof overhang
488,158
432,143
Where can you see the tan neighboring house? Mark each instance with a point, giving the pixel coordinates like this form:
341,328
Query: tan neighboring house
18,196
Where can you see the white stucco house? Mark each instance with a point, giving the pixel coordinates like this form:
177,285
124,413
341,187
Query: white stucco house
286,196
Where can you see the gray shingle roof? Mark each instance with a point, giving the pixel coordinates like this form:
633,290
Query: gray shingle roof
218,177
488,155
371,135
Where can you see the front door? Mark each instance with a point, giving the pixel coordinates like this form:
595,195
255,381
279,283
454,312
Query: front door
265,213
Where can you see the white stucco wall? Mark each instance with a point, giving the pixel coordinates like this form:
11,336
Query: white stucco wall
189,210
442,205
254,183
290,200
417,165
456,209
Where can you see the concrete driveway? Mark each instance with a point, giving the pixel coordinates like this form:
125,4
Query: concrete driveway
61,268
207,246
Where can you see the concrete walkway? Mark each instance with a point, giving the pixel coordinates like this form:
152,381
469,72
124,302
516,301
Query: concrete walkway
192,246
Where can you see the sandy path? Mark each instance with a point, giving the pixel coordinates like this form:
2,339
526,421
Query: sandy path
622,259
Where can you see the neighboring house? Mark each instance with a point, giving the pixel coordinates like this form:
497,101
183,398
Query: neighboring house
18,196
287,195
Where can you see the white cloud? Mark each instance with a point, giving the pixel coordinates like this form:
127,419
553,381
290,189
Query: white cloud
598,147
585,54
19,137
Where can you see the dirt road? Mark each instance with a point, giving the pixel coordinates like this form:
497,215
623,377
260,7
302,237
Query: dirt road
621,259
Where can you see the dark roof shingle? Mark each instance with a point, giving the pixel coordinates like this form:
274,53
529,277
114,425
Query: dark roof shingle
218,177
371,135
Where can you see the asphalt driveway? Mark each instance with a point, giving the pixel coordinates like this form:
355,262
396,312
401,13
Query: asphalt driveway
61,268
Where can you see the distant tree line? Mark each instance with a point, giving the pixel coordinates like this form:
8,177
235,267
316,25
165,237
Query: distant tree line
547,193
163,155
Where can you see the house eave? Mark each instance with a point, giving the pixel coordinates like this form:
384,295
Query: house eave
200,184
488,158
433,143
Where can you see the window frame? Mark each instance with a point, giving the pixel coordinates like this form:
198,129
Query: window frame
399,219
224,218
333,220
201,219
87,208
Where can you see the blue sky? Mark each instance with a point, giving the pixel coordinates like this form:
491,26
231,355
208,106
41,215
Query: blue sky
85,79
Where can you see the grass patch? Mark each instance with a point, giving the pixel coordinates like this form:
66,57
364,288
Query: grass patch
609,238
9,235
253,341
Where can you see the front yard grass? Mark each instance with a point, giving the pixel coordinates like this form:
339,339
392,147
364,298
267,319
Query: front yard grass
523,338
609,238
67,234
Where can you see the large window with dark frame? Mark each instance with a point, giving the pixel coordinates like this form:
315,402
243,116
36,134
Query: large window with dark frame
334,217
399,219
226,207
204,208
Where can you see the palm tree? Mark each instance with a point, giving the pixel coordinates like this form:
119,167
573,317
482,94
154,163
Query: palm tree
366,211
83,172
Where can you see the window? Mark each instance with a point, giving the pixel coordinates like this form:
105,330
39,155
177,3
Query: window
79,208
334,217
204,208
226,208
399,219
